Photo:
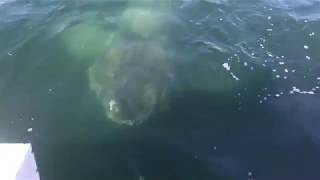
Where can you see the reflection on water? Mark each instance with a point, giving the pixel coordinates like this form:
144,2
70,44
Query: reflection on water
213,89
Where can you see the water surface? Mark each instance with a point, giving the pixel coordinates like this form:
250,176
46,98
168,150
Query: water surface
244,89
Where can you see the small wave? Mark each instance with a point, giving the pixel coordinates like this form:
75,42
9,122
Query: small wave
291,4
5,1
217,1
299,9
311,13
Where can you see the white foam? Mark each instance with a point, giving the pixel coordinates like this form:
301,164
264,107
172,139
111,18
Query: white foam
297,90
234,76
226,66
311,34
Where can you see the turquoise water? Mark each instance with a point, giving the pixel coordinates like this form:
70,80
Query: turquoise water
231,88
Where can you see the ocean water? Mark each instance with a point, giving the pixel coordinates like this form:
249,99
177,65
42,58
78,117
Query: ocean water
240,81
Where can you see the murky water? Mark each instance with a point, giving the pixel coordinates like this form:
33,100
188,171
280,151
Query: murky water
163,89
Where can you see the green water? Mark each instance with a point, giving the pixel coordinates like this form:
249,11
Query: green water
234,88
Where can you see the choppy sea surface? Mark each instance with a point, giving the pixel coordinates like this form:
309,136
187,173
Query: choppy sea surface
244,101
